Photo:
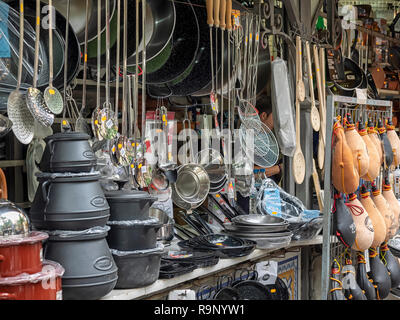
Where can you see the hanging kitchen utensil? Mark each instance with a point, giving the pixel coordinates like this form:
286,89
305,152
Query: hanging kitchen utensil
52,96
322,110
34,98
81,124
298,158
65,125
300,88
21,118
315,118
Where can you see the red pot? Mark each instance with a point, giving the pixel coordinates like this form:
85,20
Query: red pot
21,255
44,285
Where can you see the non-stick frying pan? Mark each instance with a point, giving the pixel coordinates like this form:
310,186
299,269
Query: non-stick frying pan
180,52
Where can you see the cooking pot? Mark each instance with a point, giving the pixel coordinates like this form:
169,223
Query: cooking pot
166,232
129,204
137,268
90,270
21,254
68,152
70,201
133,235
193,183
43,285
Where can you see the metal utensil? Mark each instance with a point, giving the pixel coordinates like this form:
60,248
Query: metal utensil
80,124
52,96
34,98
20,117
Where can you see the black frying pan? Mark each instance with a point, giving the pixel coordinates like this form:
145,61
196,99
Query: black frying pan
181,49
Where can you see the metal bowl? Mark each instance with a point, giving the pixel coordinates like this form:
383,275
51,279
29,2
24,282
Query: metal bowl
13,220
258,219
166,232
192,183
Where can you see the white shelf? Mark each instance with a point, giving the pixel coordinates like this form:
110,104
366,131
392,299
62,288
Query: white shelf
168,284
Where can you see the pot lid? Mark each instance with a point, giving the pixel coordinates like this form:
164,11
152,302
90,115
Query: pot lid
50,270
68,136
13,221
128,195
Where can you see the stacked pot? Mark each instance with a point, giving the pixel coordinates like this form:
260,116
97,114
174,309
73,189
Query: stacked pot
133,238
70,205
23,273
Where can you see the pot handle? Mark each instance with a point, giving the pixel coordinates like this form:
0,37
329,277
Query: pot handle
8,296
50,143
45,192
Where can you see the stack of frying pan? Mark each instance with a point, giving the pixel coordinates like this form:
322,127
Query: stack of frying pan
267,231
225,246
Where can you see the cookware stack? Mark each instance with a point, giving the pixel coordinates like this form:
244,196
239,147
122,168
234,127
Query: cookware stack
23,273
133,238
70,205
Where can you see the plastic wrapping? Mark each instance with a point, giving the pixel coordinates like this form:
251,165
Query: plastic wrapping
72,234
50,270
132,223
158,249
9,50
52,176
274,201
282,107
34,236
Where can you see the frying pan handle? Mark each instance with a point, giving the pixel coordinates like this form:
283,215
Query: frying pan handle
8,296
216,12
222,14
210,9
229,14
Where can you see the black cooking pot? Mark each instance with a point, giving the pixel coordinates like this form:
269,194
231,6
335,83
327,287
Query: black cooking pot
137,268
68,152
133,235
90,270
69,202
129,205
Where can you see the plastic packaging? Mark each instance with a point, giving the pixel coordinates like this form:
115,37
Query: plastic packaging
274,201
119,253
129,223
33,237
282,107
50,270
72,234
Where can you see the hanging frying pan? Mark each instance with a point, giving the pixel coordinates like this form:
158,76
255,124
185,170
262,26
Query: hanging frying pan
160,24
78,17
353,79
181,50
74,53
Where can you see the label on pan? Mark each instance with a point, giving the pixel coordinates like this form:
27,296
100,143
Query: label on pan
59,295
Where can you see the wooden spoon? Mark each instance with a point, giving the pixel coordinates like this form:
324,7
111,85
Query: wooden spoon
299,165
321,143
315,118
301,91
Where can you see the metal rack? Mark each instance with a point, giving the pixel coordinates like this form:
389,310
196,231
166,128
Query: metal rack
336,105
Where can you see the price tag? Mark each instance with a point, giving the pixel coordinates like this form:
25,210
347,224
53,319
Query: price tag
361,96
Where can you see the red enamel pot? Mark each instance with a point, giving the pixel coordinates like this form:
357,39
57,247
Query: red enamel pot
44,285
21,254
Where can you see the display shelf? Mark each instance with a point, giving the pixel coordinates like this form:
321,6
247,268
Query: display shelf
223,264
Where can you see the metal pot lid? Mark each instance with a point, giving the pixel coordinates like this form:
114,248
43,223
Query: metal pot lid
258,219
13,221
68,136
128,195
